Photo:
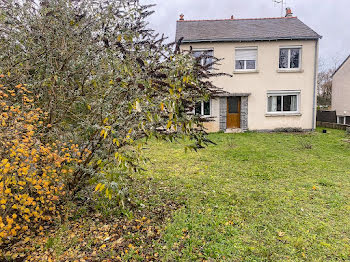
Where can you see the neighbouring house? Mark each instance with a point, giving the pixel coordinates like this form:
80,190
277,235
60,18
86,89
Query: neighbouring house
341,92
272,64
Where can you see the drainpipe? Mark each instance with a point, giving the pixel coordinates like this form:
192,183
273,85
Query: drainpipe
314,108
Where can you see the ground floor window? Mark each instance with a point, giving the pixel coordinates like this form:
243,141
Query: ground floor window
203,108
344,120
283,102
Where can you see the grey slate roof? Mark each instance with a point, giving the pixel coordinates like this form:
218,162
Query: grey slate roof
236,30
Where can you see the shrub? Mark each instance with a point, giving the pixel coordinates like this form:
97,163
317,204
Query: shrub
31,172
105,78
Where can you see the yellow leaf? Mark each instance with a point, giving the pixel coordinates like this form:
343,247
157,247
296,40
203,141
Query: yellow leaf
89,107
169,124
9,74
102,187
105,120
115,141
98,187
162,106
119,38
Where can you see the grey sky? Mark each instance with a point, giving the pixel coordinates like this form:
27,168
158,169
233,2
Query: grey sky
329,18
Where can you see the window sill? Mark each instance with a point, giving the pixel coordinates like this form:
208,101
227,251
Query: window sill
245,71
282,114
290,70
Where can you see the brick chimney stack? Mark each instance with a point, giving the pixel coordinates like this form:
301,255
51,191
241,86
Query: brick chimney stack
289,12
182,17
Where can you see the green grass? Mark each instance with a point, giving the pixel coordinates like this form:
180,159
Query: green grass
256,197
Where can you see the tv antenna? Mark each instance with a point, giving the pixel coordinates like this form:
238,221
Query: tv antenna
283,5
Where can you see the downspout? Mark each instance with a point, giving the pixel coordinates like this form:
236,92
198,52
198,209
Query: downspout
314,108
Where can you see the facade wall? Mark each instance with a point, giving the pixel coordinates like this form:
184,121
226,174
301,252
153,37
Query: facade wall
267,78
341,90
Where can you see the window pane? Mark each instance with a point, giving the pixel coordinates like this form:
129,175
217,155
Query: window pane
233,104
294,58
271,103
286,103
279,103
294,103
250,64
347,120
206,108
207,61
240,64
197,54
283,58
274,104
198,109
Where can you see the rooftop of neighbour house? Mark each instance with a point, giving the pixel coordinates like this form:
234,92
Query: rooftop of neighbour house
241,30
341,65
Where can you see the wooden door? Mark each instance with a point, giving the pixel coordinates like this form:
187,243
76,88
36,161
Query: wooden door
234,112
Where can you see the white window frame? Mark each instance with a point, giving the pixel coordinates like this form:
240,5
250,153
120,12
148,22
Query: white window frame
289,50
283,93
203,50
245,61
202,108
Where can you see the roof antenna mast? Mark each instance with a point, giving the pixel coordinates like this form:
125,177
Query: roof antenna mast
283,4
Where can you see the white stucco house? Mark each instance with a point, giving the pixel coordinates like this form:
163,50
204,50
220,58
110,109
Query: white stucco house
272,64
341,92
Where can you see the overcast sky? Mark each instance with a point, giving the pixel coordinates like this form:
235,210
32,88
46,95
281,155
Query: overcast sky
329,18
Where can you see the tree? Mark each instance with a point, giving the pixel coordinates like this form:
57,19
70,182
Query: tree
105,79
324,85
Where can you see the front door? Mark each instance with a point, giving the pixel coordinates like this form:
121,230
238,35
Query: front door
234,112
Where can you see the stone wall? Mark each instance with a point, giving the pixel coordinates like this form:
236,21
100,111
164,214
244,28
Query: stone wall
332,125
244,113
223,112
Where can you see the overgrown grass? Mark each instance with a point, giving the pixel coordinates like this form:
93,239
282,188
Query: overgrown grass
256,197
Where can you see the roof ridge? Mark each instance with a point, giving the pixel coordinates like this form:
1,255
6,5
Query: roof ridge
236,19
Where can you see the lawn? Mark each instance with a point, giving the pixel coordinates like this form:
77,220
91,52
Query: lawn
255,197
250,197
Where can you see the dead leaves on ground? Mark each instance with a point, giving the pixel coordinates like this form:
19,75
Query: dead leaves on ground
93,240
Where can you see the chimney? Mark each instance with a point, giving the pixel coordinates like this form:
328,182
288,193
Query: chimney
182,17
232,17
289,12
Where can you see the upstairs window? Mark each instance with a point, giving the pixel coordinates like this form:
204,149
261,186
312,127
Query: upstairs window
206,56
203,108
245,58
283,102
290,58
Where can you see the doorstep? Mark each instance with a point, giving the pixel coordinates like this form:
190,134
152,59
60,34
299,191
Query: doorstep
233,130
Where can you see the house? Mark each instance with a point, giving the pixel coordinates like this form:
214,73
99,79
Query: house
272,64
341,92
